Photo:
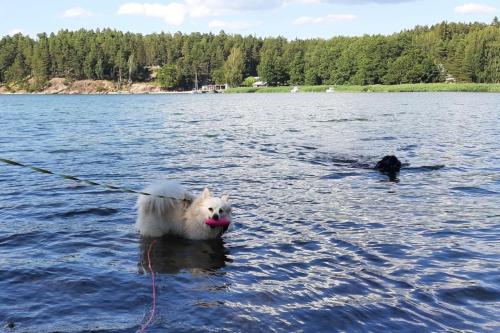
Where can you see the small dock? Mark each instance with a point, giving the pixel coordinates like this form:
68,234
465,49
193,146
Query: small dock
213,88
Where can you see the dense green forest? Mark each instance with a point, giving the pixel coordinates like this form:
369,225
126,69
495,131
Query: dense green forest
468,52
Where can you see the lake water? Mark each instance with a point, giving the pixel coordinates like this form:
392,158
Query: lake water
320,243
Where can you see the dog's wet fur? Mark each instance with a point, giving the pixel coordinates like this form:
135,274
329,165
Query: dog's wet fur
172,210
389,165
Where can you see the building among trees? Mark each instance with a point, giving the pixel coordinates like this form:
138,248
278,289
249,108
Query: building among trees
469,52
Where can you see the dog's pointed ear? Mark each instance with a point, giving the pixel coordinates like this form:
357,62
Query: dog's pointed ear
225,197
206,193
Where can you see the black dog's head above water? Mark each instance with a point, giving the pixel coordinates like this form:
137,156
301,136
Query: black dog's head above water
390,166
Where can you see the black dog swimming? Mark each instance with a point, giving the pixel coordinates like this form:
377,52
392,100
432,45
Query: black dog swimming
390,166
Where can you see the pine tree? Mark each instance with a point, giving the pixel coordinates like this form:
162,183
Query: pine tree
120,64
89,64
17,72
99,65
470,52
41,62
168,76
272,67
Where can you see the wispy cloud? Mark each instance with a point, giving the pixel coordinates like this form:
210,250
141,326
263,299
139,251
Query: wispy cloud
173,13
475,8
15,32
233,25
176,12
205,8
76,12
307,20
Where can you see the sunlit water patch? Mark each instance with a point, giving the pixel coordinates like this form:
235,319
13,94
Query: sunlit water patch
321,242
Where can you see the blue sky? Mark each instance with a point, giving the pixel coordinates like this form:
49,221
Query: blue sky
289,18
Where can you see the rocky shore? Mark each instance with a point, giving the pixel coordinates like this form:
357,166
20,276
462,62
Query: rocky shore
61,86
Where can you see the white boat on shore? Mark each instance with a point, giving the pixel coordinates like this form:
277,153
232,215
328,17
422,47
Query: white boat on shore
330,90
295,89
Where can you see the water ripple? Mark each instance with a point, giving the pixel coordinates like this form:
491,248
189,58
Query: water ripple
321,242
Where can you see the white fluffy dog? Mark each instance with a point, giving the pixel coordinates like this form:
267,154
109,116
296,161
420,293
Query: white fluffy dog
181,214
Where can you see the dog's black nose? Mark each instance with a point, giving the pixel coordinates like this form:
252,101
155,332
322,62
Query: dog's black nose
215,217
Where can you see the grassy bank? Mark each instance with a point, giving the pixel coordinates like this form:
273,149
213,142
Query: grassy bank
419,87
63,86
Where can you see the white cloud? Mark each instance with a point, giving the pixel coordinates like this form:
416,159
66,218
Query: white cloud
325,19
15,32
205,8
173,13
76,12
474,8
233,25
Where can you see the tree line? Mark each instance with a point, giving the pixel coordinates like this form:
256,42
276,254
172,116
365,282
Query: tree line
470,52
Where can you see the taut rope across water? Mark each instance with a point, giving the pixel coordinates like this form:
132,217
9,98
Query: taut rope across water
89,182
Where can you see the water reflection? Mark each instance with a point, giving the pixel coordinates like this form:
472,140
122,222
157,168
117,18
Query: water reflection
171,255
324,244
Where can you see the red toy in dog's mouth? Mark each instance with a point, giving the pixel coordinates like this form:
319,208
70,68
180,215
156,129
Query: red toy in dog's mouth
221,222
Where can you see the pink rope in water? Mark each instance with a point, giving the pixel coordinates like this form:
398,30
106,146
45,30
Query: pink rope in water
153,310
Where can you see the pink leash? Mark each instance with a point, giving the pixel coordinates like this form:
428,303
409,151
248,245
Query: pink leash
153,310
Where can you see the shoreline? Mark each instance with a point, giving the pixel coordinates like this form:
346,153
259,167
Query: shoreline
411,87
98,94
62,86
59,86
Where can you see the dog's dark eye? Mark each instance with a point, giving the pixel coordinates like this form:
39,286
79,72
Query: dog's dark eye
221,211
211,209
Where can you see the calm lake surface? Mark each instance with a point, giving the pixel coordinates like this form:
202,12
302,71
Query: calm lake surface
320,243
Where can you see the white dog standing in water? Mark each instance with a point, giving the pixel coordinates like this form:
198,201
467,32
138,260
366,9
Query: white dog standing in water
182,214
